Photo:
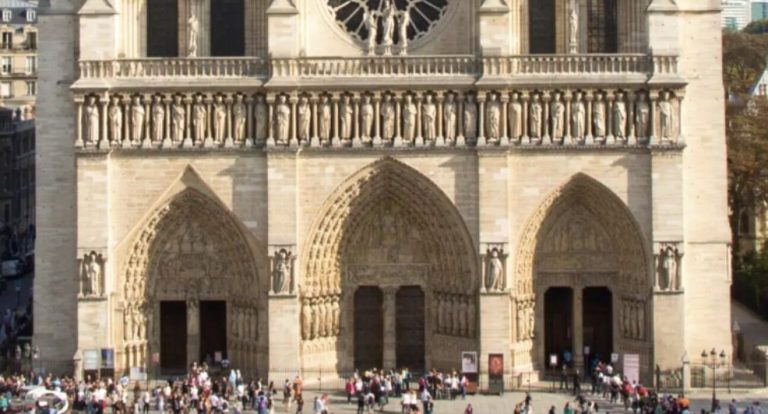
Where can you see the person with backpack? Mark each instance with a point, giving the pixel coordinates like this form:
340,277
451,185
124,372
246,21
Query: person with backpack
262,404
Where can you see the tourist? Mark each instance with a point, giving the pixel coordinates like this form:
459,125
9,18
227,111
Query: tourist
564,377
469,409
567,409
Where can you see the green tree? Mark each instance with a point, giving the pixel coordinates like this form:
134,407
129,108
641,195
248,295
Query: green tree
757,27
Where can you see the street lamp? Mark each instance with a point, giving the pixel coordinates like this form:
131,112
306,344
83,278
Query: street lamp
713,363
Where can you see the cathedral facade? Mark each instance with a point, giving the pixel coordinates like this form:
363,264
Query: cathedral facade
327,185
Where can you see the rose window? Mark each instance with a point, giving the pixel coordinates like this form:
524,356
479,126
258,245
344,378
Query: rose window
351,16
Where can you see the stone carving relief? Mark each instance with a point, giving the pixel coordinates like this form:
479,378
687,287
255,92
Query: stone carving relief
524,319
494,268
355,119
282,264
669,258
455,315
320,317
633,319
243,321
92,270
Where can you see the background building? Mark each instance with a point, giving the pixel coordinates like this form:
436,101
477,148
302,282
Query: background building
759,10
477,177
736,14
18,53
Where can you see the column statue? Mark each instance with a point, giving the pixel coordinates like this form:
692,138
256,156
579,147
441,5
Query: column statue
429,116
158,119
346,115
598,116
194,29
304,113
409,119
91,121
239,113
220,118
261,115
620,117
578,117
642,116
494,117
666,116
495,276
178,118
116,120
282,120
515,117
449,117
199,119
573,28
388,116
325,119
137,120
366,115
306,320
558,118
470,117
535,114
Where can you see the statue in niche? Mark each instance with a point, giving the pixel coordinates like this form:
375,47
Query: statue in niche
219,118
535,114
620,117
328,317
336,317
91,121
326,112
306,320
470,117
405,21
573,28
128,321
558,118
282,119
388,116
494,116
366,115
666,116
116,120
531,323
346,115
642,116
158,119
429,116
199,119
261,114
409,119
178,118
92,271
239,112
304,114
495,273
515,117
668,271
579,117
387,25
282,271
449,117
598,116
521,322
137,120
372,25
194,28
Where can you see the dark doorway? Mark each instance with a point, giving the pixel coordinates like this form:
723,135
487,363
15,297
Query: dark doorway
603,27
162,28
541,26
409,328
369,328
173,337
213,329
558,322
227,28
598,322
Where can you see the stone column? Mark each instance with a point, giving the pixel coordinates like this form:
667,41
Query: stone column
79,124
589,139
525,127
504,131
248,121
293,135
578,329
193,331
389,311
481,119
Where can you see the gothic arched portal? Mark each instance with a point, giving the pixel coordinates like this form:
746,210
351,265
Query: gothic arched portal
585,240
390,228
190,267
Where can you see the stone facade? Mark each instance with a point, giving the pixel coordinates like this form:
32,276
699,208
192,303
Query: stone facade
449,160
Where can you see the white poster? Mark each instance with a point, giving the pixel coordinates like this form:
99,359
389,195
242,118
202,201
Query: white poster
91,360
469,362
632,367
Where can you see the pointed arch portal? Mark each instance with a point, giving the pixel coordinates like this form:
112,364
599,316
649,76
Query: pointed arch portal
388,233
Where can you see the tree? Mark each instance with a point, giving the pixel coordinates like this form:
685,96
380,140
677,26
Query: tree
757,27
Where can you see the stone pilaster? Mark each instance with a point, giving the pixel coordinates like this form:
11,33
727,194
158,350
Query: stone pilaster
389,310
283,28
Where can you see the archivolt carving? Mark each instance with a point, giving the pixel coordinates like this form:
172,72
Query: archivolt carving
583,226
189,250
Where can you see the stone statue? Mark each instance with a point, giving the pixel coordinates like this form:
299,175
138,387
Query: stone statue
535,114
640,320
409,119
92,274
261,113
199,119
136,316
428,118
573,28
328,312
471,318
304,114
321,318
620,117
463,318
642,116
219,118
178,118
194,29
387,25
371,24
282,120
128,321
91,121
495,273
405,21
315,318
578,117
239,113
669,269
531,322
558,118
336,317
388,116
326,112
666,116
306,320
449,118
158,119
282,272
494,117
116,120
366,115
346,117
521,322
515,117
440,314
598,116
137,120
470,117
